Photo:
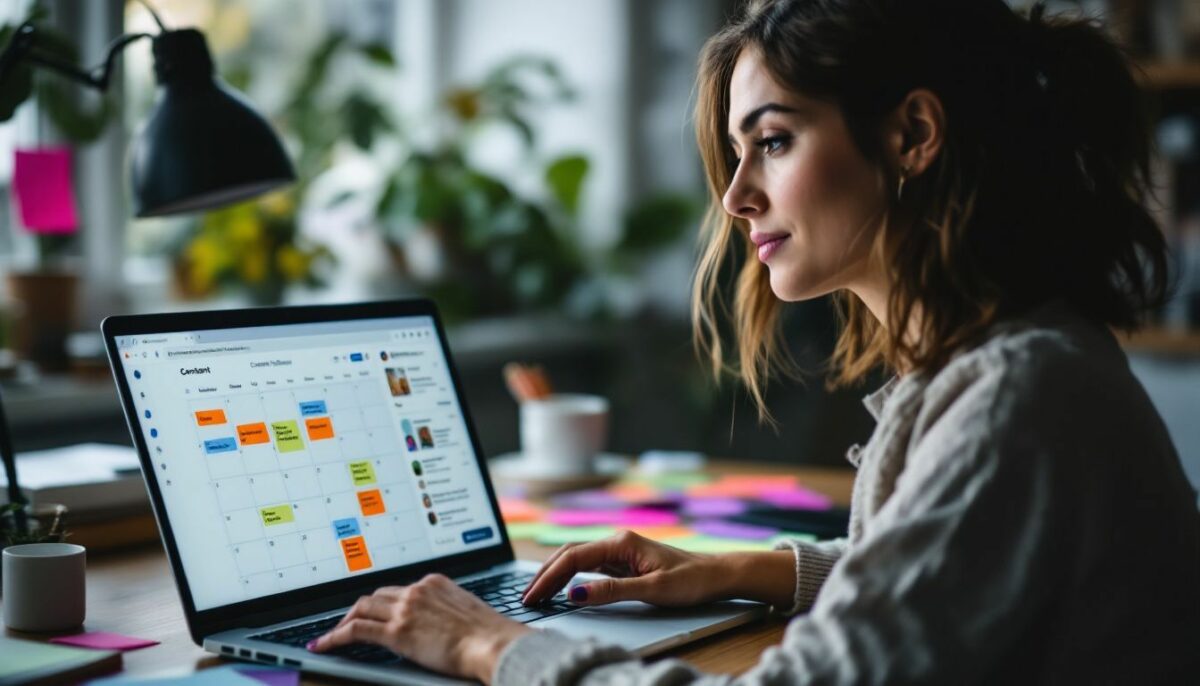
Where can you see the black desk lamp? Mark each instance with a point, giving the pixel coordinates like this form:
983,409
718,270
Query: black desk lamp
202,147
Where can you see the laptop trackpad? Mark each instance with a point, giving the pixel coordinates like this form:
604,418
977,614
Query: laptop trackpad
647,629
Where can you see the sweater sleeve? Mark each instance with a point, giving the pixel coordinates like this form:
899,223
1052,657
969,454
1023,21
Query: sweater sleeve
814,561
958,560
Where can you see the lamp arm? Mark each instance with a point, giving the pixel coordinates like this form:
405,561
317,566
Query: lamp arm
24,45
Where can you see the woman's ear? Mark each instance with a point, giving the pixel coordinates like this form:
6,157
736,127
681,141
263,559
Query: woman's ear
916,132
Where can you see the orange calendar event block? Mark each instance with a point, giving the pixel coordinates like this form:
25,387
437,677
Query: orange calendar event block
319,428
355,550
370,502
253,434
210,417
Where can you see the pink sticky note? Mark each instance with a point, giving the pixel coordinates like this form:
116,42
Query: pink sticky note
42,186
797,499
713,507
103,640
645,516
584,517
722,529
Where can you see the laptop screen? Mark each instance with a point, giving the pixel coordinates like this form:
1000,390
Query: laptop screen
298,454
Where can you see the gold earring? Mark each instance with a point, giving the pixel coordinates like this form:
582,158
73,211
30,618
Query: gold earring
900,185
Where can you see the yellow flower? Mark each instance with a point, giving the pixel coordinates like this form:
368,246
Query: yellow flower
205,261
278,204
464,102
292,263
253,266
242,229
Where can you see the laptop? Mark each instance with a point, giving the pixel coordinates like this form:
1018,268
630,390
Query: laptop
298,458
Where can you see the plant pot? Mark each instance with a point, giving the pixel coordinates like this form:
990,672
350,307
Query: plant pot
43,316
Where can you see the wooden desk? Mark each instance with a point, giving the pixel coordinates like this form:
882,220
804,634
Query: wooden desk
132,593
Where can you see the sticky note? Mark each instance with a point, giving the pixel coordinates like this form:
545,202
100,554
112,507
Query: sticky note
277,514
662,533
43,188
344,528
518,510
220,445
722,529
312,408
103,640
253,434
355,550
319,429
797,498
287,436
210,417
713,507
595,499
710,544
559,535
371,502
528,530
362,473
270,677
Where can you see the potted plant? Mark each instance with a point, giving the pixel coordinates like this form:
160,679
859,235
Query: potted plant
43,295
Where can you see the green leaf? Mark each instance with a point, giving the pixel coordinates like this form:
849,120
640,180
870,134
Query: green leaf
565,178
365,119
657,222
18,83
379,54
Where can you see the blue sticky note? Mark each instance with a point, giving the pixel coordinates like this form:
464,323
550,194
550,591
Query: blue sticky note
344,528
220,445
312,408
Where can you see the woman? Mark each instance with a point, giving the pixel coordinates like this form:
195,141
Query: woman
969,185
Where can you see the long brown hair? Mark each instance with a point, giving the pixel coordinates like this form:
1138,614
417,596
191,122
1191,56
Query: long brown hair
1037,193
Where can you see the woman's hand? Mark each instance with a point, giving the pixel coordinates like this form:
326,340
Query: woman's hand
648,571
433,622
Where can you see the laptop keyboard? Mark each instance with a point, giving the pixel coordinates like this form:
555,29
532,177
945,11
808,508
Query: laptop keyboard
502,592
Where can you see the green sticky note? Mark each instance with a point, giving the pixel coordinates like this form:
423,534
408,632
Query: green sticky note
671,481
287,436
558,535
710,544
277,514
792,536
362,473
527,530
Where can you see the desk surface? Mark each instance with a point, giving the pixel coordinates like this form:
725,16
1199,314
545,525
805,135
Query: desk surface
132,593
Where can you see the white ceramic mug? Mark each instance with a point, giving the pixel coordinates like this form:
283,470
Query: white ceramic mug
44,586
560,434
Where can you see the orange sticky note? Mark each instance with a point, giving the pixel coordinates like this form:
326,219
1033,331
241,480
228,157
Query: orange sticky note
209,417
370,502
319,428
515,510
355,550
659,533
253,434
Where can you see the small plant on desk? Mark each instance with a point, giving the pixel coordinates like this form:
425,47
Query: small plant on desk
44,524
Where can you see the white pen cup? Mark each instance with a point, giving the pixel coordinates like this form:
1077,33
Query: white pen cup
44,586
561,434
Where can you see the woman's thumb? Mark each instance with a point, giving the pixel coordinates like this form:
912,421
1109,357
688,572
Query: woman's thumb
603,591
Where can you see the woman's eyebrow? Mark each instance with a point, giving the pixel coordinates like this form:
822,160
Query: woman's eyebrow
753,116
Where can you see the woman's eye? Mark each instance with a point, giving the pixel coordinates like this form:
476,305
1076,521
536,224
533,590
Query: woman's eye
772,145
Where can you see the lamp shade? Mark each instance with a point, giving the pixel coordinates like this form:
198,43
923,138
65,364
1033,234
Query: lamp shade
202,146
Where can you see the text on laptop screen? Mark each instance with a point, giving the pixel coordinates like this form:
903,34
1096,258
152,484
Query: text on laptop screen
294,455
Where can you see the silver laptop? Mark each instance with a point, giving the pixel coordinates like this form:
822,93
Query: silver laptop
298,458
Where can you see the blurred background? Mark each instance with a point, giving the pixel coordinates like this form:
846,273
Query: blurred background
529,164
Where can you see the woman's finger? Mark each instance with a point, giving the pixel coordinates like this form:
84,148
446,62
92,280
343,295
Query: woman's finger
577,559
357,630
546,565
378,608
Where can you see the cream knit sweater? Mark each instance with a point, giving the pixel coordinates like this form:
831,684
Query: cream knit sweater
1020,517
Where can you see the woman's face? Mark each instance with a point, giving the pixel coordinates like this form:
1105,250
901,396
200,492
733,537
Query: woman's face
812,201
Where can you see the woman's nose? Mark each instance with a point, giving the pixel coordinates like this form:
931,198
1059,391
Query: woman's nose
743,199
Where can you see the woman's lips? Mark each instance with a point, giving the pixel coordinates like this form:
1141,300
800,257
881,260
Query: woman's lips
766,248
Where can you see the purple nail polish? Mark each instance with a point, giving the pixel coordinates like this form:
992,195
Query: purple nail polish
310,645
579,594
